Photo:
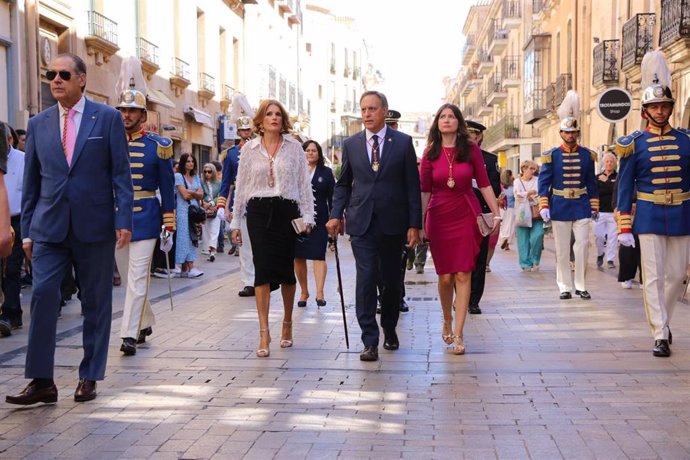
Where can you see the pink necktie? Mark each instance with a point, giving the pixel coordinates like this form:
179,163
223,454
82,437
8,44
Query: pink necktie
69,135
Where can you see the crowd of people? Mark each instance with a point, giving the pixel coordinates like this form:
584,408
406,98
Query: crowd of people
283,206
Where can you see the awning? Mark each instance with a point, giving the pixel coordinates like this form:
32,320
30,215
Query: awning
158,97
199,116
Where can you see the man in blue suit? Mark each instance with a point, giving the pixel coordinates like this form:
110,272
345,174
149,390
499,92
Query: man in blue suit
76,208
378,189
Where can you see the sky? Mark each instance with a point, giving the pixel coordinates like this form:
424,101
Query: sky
414,43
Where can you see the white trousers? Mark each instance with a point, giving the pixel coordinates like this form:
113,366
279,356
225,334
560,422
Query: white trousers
137,313
246,255
561,235
664,266
209,234
605,229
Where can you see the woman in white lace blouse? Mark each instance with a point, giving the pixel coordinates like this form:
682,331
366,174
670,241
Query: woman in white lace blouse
273,187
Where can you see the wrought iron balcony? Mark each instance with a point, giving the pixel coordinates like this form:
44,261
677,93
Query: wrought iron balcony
535,108
469,49
550,98
469,111
147,50
469,81
638,33
228,92
605,62
496,91
180,68
102,27
675,22
498,38
503,133
538,6
207,83
512,14
563,84
282,91
510,69
486,62
101,38
484,107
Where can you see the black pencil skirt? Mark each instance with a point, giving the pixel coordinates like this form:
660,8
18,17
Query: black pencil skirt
269,222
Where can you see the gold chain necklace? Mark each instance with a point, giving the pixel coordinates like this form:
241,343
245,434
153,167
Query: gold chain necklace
271,160
449,158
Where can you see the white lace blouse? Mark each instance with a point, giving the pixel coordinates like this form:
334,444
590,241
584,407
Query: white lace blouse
291,173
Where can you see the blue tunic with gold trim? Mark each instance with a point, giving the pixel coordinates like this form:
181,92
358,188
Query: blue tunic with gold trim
568,183
150,158
230,158
655,167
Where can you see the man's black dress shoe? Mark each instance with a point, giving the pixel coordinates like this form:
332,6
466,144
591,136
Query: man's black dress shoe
565,295
475,310
391,341
34,393
247,291
404,307
143,334
583,294
129,346
86,390
5,328
661,349
369,354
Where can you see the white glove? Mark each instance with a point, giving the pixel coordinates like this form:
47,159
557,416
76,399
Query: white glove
626,239
221,213
544,213
166,241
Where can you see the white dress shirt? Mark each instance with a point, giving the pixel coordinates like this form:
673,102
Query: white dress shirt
370,142
14,180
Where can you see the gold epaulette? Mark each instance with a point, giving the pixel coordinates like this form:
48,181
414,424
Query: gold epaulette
625,146
222,155
546,157
593,155
165,146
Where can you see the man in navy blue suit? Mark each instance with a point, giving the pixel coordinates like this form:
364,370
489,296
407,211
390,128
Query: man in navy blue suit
76,208
378,189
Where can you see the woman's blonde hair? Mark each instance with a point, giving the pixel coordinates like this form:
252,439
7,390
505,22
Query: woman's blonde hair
261,114
214,171
528,164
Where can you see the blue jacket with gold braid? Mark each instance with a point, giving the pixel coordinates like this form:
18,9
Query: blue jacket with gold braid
150,158
230,159
655,166
567,183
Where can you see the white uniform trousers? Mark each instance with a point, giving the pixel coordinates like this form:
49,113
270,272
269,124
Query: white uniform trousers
246,255
664,265
137,313
561,235
605,229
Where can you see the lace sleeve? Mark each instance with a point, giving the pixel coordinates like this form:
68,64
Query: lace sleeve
241,187
306,194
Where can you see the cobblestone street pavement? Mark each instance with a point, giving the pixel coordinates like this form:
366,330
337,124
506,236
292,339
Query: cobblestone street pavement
542,378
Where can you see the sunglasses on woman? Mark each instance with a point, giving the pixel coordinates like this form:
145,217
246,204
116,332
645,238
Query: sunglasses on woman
64,75
208,172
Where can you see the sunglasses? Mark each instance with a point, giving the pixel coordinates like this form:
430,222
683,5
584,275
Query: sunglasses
64,75
208,172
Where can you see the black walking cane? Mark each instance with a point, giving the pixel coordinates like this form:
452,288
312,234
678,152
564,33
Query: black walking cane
340,289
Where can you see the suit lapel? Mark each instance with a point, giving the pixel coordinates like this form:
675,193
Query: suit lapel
387,149
88,121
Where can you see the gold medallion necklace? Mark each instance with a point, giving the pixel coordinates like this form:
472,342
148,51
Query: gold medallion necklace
450,158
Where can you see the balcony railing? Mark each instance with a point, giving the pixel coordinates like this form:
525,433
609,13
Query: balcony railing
511,9
638,33
282,90
550,98
507,127
180,68
292,98
495,84
207,83
605,62
228,92
468,49
675,21
510,68
469,111
102,27
555,92
496,34
147,50
535,108
272,85
538,6
355,73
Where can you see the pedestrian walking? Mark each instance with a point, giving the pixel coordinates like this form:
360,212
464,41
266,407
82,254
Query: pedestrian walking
152,173
450,164
605,229
507,231
568,197
76,208
378,188
655,169
530,226
314,247
274,187
188,192
211,226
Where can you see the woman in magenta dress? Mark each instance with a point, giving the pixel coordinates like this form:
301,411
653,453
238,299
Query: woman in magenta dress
450,209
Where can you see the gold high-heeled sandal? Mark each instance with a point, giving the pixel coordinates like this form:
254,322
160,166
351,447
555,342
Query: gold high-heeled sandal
286,343
447,338
458,345
264,352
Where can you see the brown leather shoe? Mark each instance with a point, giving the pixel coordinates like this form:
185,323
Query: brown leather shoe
33,394
86,390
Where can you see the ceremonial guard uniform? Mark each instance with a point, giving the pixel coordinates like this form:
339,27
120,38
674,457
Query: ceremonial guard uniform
230,158
655,167
568,196
152,170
